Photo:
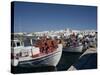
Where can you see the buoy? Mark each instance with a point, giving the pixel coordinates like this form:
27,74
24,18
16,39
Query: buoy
14,62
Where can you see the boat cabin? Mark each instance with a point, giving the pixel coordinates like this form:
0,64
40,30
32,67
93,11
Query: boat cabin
16,43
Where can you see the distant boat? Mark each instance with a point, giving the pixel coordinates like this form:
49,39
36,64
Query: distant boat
74,49
92,44
40,59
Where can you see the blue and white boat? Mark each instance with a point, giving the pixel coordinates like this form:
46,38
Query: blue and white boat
22,56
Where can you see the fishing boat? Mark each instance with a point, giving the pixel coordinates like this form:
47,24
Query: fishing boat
92,43
74,49
31,56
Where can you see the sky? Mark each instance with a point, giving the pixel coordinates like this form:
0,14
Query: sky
36,17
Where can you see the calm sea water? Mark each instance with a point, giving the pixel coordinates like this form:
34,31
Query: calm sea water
67,59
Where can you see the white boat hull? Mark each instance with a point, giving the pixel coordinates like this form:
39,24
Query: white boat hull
73,49
92,44
50,59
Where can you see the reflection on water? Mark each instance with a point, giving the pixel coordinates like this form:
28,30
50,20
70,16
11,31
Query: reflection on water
66,61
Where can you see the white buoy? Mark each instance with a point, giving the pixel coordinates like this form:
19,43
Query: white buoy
14,62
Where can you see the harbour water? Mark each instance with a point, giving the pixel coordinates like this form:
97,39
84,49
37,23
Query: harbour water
67,59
